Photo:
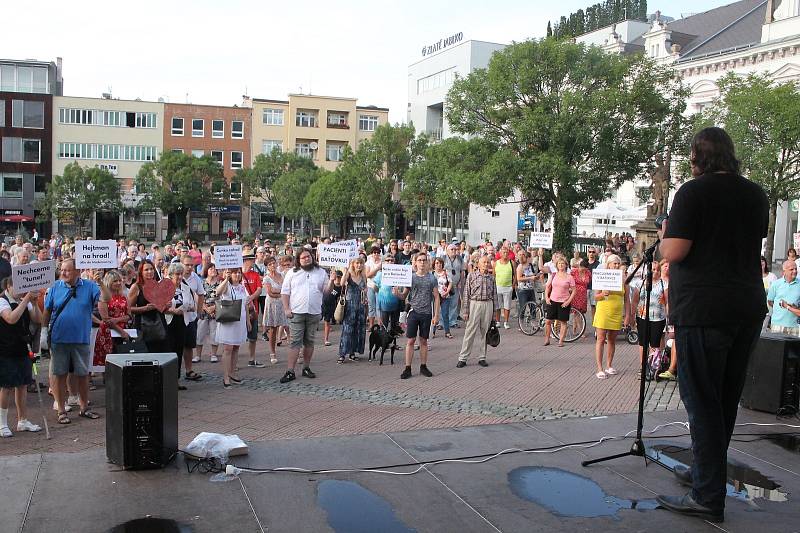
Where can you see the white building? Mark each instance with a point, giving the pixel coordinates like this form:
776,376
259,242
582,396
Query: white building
429,79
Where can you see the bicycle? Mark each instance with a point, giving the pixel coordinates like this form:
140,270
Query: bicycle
531,318
576,326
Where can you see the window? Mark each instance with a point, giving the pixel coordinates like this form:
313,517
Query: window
272,117
218,156
268,145
198,153
305,149
12,185
27,114
18,150
237,129
306,119
31,151
333,152
177,150
217,129
197,127
236,190
2,113
438,80
236,159
337,120
145,120
23,79
8,77
177,126
495,214
40,185
367,122
216,188
111,152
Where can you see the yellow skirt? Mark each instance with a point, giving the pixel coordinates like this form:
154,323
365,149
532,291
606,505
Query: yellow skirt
609,312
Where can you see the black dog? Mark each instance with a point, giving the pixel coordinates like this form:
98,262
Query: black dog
382,339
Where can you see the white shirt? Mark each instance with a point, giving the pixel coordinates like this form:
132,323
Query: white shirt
370,263
304,289
196,285
5,305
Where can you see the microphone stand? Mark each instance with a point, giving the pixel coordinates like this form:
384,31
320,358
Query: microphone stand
638,448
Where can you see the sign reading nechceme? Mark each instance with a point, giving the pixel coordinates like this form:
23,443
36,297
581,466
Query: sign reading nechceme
396,275
96,254
229,256
607,279
334,255
33,276
542,239
441,44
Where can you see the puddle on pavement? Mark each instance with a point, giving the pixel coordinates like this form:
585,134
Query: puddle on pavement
152,525
351,508
744,482
569,495
787,442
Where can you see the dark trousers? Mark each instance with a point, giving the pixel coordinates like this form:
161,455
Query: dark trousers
712,365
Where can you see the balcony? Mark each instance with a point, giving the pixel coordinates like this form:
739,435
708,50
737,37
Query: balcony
339,125
338,120
435,135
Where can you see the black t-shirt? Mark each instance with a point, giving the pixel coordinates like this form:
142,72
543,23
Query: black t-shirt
404,259
592,266
719,281
5,268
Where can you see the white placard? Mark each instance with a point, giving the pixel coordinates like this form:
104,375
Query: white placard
796,240
607,279
96,254
132,333
334,255
542,239
228,256
396,275
33,276
351,245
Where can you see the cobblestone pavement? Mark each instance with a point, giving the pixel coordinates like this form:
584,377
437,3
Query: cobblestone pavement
525,381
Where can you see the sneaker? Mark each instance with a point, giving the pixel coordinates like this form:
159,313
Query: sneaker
273,358
67,407
423,369
27,425
483,362
461,364
308,373
255,364
667,375
5,432
195,359
506,326
264,336
73,400
406,373
214,359
288,376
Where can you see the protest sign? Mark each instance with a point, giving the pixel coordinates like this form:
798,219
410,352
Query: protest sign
96,254
541,239
33,276
229,256
796,240
607,279
334,255
351,245
396,275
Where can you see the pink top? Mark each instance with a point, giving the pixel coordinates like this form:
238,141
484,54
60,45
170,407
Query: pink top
560,287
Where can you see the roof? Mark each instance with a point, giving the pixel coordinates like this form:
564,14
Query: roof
372,108
723,28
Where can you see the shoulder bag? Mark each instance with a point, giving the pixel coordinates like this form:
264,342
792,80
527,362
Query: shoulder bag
493,335
341,305
229,310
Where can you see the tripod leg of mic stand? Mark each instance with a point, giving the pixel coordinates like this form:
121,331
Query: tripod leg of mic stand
610,457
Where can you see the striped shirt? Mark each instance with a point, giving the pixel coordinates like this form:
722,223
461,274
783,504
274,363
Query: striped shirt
479,287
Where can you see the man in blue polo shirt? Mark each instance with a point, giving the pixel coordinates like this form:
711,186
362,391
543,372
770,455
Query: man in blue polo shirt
784,291
68,313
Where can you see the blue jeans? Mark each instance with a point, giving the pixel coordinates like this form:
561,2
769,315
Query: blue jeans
712,366
445,313
452,301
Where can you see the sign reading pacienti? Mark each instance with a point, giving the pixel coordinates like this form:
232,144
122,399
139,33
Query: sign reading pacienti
441,44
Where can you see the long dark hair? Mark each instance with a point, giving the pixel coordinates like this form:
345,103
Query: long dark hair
140,275
713,151
297,259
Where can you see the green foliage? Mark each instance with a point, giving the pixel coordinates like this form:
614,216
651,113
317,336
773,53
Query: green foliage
79,192
763,119
267,168
290,189
598,16
177,183
569,124
330,198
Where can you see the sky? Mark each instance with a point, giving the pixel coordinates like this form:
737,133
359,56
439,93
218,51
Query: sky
213,52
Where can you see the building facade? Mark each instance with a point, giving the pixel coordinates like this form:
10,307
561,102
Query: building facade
225,134
26,136
317,127
120,136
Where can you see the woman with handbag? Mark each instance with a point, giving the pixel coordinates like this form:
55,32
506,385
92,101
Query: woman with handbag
330,303
274,317
353,337
207,325
113,308
389,302
148,318
183,301
232,304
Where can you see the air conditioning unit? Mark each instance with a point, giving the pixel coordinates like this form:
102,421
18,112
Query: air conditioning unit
111,167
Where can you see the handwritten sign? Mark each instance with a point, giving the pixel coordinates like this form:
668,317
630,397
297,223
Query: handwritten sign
396,275
229,256
542,239
33,276
96,254
607,279
351,244
334,255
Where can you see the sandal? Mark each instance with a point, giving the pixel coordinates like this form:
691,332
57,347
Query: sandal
601,375
340,360
193,376
354,357
88,413
448,335
327,343
610,371
63,418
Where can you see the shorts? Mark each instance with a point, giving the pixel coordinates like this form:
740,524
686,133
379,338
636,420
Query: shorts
190,334
504,297
252,333
207,328
68,358
303,329
555,311
372,297
418,325
656,331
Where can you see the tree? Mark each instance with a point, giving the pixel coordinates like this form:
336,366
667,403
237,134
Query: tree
177,183
290,189
549,29
330,198
79,192
268,168
570,123
763,119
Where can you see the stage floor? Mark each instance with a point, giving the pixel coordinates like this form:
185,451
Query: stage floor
81,492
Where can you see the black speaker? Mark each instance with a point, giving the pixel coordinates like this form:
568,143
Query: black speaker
773,374
141,409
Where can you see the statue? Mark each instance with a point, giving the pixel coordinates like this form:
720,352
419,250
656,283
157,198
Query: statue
659,180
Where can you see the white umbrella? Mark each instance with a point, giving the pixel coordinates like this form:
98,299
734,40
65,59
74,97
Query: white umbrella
608,209
634,213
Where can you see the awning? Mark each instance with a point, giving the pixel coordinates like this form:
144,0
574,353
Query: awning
16,218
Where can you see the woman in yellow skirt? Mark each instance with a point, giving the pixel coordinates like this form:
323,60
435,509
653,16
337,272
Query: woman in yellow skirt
608,320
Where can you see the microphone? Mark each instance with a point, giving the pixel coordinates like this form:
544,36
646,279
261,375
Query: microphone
660,220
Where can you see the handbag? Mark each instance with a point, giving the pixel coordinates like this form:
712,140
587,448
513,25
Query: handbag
493,335
229,311
152,328
341,305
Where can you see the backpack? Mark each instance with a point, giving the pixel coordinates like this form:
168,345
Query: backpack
657,362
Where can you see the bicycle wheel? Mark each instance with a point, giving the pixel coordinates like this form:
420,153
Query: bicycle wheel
530,319
576,325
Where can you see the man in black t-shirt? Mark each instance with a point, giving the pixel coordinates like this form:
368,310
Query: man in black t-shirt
717,318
